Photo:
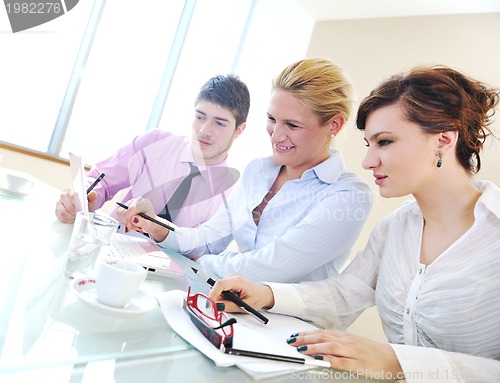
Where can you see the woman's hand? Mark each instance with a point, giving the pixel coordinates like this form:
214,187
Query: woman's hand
256,295
350,352
135,222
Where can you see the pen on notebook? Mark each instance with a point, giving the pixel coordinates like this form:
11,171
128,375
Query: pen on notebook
232,297
281,358
94,184
145,216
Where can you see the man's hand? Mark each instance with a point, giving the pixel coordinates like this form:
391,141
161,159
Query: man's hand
66,206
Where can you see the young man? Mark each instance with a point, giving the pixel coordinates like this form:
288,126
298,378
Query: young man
158,163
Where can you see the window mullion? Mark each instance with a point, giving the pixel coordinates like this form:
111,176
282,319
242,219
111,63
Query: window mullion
61,125
244,34
171,64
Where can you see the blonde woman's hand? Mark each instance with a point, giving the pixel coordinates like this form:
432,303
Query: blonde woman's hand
133,221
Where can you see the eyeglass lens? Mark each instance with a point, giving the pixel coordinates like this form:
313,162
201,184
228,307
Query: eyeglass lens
205,306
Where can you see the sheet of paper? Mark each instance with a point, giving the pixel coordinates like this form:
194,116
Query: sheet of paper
77,175
249,334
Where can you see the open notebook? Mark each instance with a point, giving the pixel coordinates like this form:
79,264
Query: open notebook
145,253
249,334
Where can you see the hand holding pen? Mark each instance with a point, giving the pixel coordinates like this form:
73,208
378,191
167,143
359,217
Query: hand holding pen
94,184
140,216
226,288
66,207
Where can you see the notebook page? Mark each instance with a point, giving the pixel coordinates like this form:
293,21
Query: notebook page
249,334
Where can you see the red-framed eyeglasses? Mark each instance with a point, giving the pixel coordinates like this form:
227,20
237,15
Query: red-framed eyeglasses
216,326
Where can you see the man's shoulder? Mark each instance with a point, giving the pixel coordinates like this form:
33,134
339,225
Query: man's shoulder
162,138
163,134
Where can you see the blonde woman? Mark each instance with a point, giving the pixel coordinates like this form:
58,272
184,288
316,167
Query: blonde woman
295,215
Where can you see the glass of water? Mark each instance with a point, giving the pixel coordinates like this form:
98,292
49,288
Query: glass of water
92,233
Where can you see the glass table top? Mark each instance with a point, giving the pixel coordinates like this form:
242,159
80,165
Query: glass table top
42,322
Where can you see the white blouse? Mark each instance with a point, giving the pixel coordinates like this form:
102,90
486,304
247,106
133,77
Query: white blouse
451,305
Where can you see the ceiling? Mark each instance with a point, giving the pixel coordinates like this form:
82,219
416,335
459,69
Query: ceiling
362,9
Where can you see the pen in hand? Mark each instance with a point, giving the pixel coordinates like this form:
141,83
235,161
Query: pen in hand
145,216
233,297
94,184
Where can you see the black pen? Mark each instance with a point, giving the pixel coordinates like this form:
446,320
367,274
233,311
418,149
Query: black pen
148,218
232,297
281,358
91,187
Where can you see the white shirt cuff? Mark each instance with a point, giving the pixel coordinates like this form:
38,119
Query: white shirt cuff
424,364
286,299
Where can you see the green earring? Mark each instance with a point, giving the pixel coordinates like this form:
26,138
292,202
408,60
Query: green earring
440,160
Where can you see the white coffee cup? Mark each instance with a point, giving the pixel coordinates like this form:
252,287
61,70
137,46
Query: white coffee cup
17,182
117,281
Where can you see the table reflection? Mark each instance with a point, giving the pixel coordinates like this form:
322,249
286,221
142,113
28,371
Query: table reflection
42,323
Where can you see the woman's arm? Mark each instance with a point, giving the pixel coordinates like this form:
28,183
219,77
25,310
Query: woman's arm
424,364
313,242
381,361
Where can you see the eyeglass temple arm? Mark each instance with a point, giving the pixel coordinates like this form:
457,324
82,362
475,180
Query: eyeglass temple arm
229,322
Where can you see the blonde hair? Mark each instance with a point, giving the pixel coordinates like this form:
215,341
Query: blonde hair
321,85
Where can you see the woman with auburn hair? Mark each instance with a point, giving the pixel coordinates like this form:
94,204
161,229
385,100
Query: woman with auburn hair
431,266
295,215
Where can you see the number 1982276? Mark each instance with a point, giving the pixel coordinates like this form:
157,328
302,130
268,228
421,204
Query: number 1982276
19,7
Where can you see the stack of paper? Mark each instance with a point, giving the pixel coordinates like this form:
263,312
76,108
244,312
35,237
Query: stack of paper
249,334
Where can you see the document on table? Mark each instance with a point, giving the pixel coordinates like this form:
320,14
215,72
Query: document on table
77,174
249,334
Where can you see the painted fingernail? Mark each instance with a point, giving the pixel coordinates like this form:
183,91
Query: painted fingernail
220,306
294,335
302,348
135,220
291,340
318,357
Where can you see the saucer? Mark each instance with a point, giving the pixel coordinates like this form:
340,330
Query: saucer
12,193
85,290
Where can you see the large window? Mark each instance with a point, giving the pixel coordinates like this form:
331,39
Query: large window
121,79
88,82
35,68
